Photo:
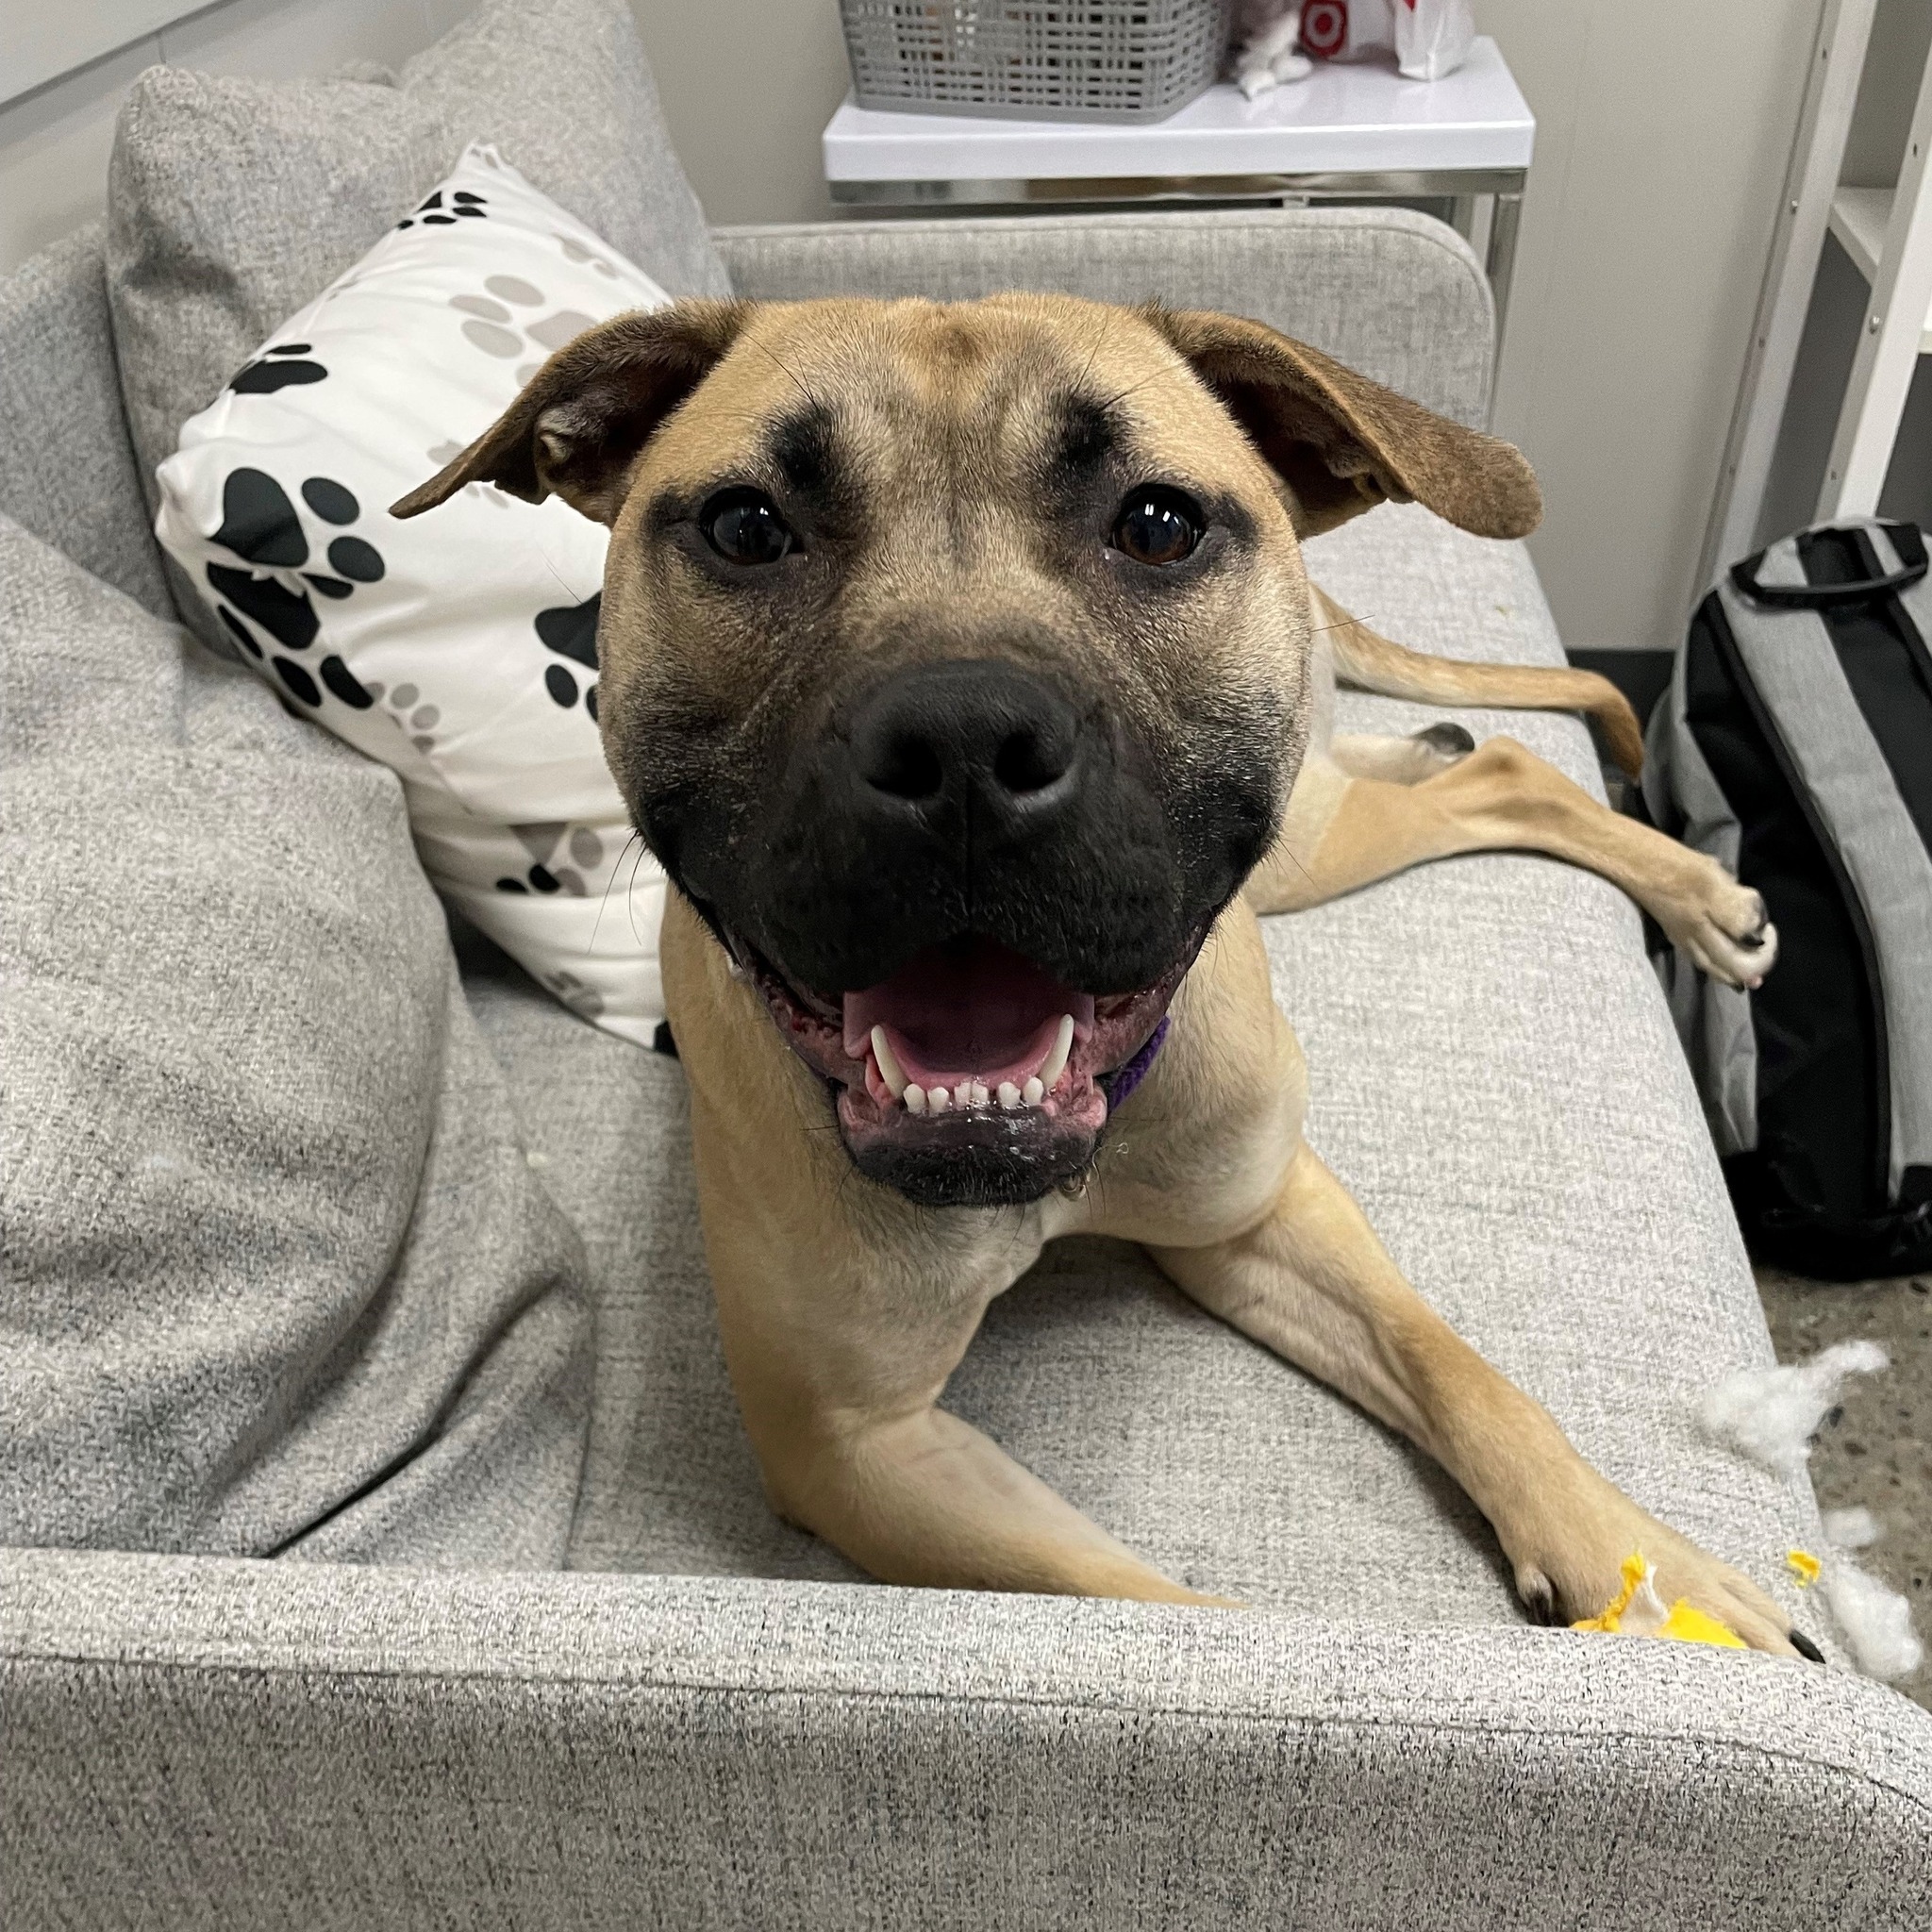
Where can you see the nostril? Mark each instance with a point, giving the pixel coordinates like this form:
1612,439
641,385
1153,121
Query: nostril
1028,760
905,766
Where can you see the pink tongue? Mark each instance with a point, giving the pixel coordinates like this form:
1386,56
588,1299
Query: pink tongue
968,1007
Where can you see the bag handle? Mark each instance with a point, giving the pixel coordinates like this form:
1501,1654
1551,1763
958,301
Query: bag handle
1823,596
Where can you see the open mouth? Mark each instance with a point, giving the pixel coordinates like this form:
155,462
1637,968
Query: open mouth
971,1054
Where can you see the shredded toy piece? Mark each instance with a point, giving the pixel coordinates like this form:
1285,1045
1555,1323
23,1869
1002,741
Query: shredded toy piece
1804,1566
1639,1611
1770,1414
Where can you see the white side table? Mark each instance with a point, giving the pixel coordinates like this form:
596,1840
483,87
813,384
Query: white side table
1351,132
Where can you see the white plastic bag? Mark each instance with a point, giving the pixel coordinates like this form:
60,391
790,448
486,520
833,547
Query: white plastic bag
1432,37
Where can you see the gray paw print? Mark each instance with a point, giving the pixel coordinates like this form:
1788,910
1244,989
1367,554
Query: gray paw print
492,322
585,1001
405,705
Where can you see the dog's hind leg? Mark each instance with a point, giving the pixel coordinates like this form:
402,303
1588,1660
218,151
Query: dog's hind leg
1342,833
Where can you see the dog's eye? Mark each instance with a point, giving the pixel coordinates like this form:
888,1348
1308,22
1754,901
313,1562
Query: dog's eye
745,527
1157,525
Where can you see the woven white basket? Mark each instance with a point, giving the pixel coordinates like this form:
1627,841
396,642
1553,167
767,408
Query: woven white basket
1098,60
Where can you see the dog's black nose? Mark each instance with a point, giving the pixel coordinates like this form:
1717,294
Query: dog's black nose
977,735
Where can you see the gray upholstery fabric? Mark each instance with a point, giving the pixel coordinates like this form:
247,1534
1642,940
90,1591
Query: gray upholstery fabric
67,470
232,202
1392,293
274,1272
319,1748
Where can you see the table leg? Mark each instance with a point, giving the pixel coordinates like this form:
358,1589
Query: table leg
1505,214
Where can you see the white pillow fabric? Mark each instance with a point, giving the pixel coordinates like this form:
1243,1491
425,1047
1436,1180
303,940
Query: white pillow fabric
459,648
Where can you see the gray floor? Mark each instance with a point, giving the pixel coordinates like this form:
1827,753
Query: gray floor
1876,1448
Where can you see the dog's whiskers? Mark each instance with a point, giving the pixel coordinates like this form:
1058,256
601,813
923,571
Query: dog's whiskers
604,897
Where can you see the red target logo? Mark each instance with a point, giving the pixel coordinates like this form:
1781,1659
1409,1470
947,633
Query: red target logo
1325,27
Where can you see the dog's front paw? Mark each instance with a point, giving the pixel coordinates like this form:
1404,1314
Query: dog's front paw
1720,924
1568,1565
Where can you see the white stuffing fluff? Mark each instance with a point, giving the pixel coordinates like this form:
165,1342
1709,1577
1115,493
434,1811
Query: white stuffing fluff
1878,1622
1771,1414
1851,1530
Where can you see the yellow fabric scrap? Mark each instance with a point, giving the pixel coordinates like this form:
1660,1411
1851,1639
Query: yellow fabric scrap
1638,1611
1804,1566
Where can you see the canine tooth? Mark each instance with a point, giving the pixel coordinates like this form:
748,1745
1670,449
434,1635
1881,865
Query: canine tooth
1009,1095
938,1100
1054,1063
890,1071
914,1097
1033,1092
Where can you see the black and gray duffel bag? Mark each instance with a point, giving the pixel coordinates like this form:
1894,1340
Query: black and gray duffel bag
1795,745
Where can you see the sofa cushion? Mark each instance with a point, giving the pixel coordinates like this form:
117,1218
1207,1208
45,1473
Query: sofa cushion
231,203
275,1274
1493,1075
67,470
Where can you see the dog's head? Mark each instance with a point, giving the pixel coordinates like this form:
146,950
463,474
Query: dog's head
954,662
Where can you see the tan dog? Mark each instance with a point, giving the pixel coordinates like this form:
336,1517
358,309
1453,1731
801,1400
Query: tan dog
958,664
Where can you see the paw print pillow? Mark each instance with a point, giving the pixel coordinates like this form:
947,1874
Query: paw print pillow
459,649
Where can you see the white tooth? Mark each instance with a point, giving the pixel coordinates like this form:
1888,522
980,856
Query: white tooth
914,1097
938,1100
1054,1063
980,1096
890,1071
1009,1095
1033,1092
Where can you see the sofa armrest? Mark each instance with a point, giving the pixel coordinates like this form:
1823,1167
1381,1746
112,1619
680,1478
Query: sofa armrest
1392,293
193,1741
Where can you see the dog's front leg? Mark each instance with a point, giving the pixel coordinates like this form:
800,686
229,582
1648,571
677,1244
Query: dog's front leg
1311,1281
854,1447
841,1329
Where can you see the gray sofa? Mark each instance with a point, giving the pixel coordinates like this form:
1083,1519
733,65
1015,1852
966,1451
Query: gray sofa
432,1585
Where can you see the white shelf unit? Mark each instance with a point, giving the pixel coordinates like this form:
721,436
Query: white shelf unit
1887,233
1859,217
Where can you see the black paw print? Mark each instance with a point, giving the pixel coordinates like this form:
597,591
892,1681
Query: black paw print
260,526
571,631
264,376
436,214
548,850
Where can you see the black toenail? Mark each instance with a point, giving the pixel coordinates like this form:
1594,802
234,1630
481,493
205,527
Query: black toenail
1805,1647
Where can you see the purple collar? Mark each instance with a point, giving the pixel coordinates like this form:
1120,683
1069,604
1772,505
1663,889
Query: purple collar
1118,1086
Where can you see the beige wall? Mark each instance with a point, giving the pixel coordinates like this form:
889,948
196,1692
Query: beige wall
1663,133
747,85
1664,128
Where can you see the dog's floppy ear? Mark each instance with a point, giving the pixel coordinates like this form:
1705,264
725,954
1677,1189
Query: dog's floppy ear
1342,444
583,417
